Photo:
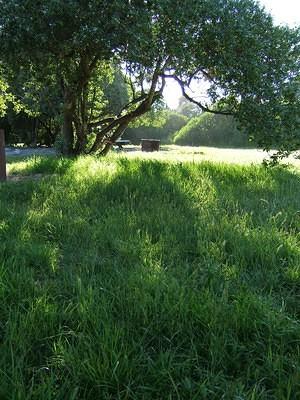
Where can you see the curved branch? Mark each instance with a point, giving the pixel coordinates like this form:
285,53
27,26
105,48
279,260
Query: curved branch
190,99
132,102
101,122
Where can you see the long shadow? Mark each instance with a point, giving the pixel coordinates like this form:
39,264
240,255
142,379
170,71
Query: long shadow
156,267
160,212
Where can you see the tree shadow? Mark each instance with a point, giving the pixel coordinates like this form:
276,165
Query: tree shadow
163,270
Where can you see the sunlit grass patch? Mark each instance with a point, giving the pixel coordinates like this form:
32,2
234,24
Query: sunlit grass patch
37,165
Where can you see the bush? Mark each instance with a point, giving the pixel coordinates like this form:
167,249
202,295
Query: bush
211,130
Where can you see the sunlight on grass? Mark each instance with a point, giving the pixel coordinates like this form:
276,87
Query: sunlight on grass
133,279
177,154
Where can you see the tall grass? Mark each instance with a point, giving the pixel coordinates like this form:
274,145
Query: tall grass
131,279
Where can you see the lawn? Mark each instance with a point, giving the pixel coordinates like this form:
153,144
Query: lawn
242,156
140,279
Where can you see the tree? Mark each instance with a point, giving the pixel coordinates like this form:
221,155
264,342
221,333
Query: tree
68,40
250,64
186,108
42,102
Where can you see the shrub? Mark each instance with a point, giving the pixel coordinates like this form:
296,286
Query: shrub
211,130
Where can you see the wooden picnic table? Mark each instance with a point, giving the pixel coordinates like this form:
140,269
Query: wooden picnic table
122,142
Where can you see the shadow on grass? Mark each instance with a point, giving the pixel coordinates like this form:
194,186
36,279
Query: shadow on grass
154,280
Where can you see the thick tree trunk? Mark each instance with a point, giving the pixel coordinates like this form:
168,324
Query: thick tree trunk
75,126
81,122
116,135
115,128
97,143
81,133
68,133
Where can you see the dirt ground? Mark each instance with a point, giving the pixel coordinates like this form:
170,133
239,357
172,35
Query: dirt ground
28,151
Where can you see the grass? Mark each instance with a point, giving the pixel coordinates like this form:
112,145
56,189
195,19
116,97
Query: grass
175,153
134,279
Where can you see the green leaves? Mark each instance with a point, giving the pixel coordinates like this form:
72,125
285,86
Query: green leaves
3,96
7,97
231,44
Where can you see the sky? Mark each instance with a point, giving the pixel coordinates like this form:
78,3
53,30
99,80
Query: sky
283,12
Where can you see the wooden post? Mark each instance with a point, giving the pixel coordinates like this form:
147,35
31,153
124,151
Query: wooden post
2,157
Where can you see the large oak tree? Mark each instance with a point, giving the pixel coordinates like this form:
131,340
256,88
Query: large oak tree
251,65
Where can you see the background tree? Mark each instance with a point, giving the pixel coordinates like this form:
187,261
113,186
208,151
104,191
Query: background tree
186,108
210,129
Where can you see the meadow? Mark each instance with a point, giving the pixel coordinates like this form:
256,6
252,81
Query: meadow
125,278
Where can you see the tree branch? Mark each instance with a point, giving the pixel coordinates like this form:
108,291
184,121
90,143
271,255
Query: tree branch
101,122
189,98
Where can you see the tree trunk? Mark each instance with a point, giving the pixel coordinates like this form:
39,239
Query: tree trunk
33,139
116,135
75,109
81,134
68,130
114,130
81,121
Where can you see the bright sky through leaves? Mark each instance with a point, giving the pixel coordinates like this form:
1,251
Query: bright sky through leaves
283,12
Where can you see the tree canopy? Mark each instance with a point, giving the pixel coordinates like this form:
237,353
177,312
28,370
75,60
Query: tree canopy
251,65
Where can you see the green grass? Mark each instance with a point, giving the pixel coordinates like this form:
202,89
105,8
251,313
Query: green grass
132,279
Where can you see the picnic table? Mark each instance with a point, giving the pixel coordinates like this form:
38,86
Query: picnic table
121,142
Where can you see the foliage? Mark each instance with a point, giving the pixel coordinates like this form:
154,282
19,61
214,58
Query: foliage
250,65
33,111
144,280
211,130
188,109
107,92
3,96
163,126
116,92
66,40
42,105
6,95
